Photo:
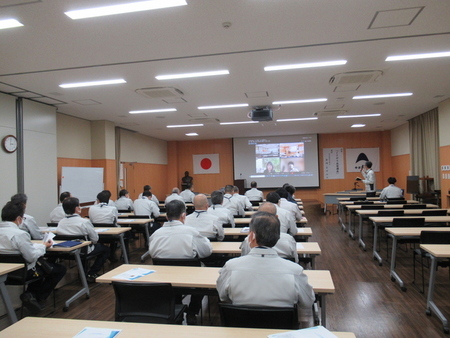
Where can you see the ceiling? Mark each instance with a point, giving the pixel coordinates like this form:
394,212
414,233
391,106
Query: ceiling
51,49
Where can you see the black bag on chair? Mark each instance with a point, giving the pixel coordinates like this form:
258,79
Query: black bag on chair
44,265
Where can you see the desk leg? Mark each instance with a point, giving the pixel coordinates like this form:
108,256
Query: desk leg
7,300
85,288
431,306
323,310
360,233
124,250
350,225
393,274
375,254
341,212
147,233
313,262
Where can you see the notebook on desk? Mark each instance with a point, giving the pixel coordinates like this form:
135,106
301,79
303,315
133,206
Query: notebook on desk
68,244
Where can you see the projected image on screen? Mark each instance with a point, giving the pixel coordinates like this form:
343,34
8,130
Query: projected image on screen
277,158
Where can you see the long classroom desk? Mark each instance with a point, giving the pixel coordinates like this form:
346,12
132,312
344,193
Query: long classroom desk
245,221
377,220
6,268
67,328
311,249
366,213
301,232
437,251
205,278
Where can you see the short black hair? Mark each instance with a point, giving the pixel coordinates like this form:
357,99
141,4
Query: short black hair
63,196
147,187
123,192
19,198
282,193
392,180
175,209
70,204
147,193
290,189
266,227
104,196
229,188
368,164
253,184
273,197
217,197
12,210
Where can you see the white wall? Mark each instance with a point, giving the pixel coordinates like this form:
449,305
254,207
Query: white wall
73,137
142,149
400,140
444,123
103,137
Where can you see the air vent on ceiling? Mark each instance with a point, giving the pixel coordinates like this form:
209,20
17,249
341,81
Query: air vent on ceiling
357,77
159,92
329,113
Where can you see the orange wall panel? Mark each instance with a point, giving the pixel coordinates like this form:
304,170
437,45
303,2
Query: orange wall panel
401,166
444,157
140,174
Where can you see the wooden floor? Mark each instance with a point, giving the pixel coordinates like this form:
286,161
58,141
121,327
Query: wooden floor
366,302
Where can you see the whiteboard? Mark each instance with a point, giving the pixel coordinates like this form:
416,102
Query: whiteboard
82,183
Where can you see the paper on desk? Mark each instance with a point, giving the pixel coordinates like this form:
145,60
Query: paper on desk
127,220
48,237
300,246
133,274
101,230
300,230
245,229
310,332
89,332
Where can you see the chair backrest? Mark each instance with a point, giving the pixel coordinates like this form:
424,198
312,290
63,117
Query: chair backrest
390,213
255,203
363,202
17,276
435,237
259,316
408,222
396,199
144,302
177,261
357,199
123,210
371,194
105,225
52,225
434,212
397,202
71,238
372,206
139,216
415,206
227,225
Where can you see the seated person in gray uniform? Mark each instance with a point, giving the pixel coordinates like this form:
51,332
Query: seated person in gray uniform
217,209
187,194
16,241
391,191
74,224
174,196
201,219
286,246
233,202
29,223
286,218
177,240
262,278
153,196
58,214
254,194
124,201
102,212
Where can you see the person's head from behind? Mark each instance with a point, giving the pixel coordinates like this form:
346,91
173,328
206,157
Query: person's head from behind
392,180
217,197
268,207
229,189
176,210
368,164
273,197
71,205
188,186
104,196
282,193
201,202
290,189
235,190
19,198
176,191
253,184
13,212
147,188
269,166
64,195
147,193
264,230
123,193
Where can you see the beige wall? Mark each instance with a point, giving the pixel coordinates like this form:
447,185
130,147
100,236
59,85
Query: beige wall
73,137
103,140
142,149
444,123
400,140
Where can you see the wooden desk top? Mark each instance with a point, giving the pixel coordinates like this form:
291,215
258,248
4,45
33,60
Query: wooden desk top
246,220
62,249
125,214
388,206
203,277
237,232
129,221
437,250
311,248
428,219
8,267
414,231
106,231
406,211
347,199
68,328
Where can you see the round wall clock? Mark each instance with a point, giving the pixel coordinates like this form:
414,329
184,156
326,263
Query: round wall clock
9,143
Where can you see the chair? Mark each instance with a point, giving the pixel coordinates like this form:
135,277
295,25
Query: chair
123,211
434,213
396,202
52,225
430,237
177,261
408,222
415,206
111,239
396,199
363,203
147,303
357,199
259,316
255,203
371,194
372,207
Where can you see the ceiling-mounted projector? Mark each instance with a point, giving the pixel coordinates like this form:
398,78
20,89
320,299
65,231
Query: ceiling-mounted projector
261,114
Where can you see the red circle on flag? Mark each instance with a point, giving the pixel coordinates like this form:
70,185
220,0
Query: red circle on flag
206,163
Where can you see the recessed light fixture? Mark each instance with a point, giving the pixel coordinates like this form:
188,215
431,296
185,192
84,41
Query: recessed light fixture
9,23
300,101
152,111
306,65
191,134
351,116
189,75
241,122
358,125
123,8
92,83
299,119
185,125
417,56
380,96
225,106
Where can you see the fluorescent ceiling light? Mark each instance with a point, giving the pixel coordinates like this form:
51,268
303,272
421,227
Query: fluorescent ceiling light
152,111
380,96
299,119
185,125
350,116
191,134
9,23
123,8
300,101
358,125
188,75
417,56
306,65
225,106
242,122
92,83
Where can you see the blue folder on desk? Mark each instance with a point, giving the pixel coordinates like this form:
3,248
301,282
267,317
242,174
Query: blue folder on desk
68,244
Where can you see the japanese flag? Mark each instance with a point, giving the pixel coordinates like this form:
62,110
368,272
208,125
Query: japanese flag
206,164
